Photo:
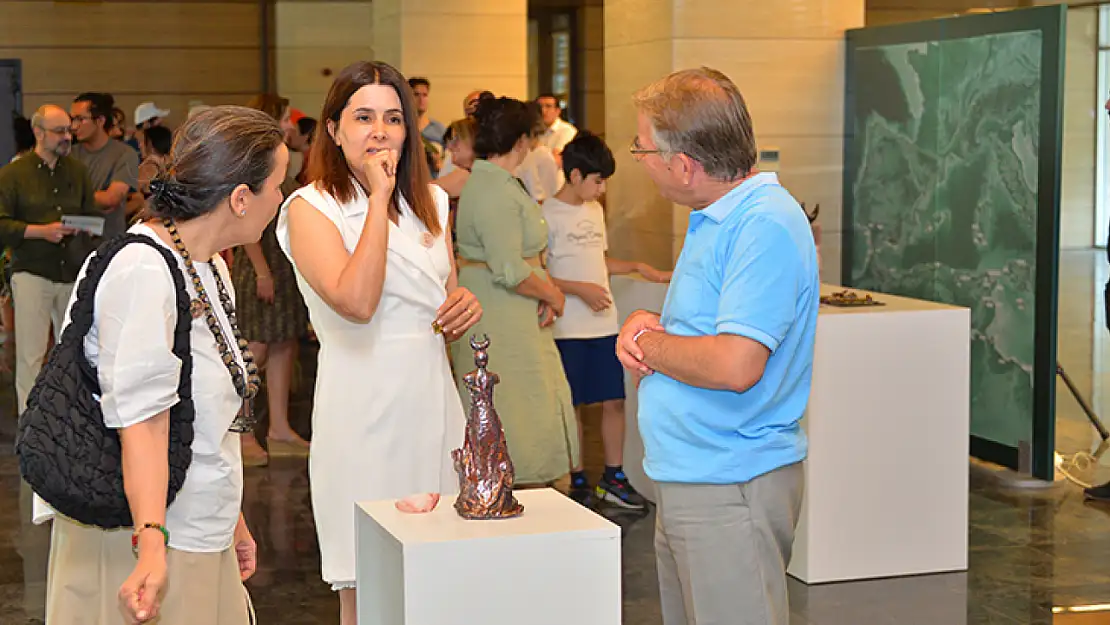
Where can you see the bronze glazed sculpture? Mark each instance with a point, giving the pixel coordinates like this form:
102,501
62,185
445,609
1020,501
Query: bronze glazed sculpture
483,464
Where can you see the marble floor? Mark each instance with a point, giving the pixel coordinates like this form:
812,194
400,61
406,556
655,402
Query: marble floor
1037,556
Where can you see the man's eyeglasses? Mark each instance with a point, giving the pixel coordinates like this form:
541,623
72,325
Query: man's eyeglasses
60,130
638,152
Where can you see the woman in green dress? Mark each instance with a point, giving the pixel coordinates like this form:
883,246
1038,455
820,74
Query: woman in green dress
501,239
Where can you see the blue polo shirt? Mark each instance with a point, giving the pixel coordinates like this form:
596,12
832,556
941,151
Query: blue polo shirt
748,268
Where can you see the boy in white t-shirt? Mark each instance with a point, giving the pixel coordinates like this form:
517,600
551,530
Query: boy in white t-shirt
586,334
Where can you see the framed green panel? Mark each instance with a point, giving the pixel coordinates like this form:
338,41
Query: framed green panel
952,194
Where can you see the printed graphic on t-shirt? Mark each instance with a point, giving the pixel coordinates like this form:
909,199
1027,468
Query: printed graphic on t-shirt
586,233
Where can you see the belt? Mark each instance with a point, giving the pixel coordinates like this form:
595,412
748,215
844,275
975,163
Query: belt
535,261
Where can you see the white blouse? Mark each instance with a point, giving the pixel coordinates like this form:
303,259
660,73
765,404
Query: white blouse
131,346
540,174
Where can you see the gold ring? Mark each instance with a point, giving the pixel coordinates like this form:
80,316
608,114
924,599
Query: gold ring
469,312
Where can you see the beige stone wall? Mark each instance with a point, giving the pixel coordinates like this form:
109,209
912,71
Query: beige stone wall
313,41
170,52
459,45
639,48
787,57
1082,111
591,69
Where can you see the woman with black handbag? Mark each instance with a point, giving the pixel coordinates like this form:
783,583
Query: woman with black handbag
160,534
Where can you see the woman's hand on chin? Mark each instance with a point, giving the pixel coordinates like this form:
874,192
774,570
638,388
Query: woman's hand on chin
418,504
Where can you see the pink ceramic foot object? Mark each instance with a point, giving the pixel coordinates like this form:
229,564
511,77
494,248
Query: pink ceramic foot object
418,504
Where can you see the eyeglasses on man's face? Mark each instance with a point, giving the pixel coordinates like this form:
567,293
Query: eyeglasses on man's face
638,152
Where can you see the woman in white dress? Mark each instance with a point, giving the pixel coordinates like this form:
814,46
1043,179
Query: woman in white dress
369,242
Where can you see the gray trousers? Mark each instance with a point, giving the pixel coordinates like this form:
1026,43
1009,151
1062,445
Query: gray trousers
722,550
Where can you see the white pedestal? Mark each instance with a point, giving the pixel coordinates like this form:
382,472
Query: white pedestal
438,569
888,427
629,295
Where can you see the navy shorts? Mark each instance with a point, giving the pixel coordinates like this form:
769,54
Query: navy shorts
592,368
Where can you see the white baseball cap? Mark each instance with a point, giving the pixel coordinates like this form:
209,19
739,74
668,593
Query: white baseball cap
148,111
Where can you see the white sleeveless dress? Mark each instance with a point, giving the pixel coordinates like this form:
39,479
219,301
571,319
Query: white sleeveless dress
387,413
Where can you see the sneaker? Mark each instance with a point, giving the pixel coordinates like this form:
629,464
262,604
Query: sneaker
618,491
581,492
584,497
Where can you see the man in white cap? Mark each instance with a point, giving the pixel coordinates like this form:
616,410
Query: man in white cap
147,115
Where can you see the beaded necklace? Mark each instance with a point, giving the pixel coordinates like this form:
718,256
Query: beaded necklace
246,383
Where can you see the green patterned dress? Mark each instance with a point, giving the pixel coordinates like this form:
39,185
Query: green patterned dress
498,224
261,322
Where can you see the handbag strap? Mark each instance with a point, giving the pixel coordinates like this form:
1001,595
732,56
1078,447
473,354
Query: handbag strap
81,314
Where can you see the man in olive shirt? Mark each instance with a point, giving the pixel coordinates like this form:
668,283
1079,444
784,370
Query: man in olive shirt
35,192
113,166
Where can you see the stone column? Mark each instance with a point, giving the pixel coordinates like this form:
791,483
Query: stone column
458,45
313,40
787,57
590,77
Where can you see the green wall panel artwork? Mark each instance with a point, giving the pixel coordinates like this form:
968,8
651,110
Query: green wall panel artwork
951,189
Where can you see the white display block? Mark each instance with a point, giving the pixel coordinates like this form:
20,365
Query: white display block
888,427
629,295
439,569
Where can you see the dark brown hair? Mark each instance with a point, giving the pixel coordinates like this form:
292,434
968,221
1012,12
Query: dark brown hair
270,104
327,166
501,123
215,151
100,105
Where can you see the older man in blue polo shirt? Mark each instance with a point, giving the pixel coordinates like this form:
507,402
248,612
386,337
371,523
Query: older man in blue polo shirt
724,374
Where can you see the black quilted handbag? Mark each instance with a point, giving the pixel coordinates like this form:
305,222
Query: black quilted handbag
67,454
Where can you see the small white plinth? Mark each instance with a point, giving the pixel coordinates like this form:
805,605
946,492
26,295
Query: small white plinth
439,569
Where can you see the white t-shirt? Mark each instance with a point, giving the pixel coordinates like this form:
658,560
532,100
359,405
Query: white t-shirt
576,245
540,174
448,164
131,346
558,135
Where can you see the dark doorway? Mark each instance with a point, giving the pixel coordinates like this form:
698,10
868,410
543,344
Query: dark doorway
11,105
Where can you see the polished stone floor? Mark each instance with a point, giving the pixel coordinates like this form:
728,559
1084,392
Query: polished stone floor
1036,556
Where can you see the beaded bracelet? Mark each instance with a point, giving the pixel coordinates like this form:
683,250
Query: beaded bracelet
139,530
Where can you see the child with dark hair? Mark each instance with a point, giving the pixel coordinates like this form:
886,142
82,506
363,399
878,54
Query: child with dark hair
306,126
156,145
586,334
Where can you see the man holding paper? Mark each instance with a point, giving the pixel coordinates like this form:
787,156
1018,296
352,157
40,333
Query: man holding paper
37,193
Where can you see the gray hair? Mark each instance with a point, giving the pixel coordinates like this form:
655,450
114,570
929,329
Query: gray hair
700,113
